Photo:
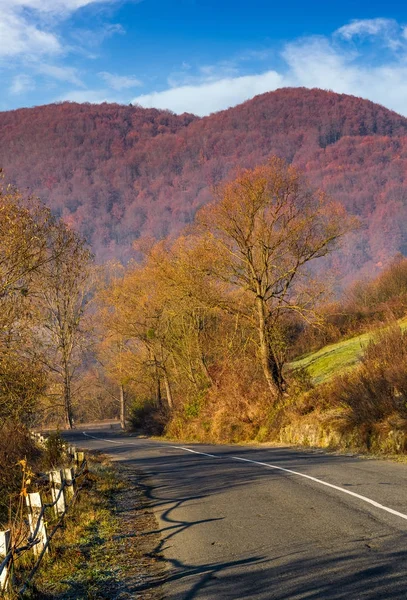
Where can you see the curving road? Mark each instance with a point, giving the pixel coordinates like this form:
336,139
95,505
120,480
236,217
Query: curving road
254,523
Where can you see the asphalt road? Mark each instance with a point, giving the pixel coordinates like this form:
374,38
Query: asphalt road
242,522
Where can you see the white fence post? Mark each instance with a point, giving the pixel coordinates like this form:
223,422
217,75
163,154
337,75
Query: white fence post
69,478
79,458
5,542
34,505
56,479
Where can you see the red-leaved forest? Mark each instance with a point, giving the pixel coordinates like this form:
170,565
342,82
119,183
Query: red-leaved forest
120,172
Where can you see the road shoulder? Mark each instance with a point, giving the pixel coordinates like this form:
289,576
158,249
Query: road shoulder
108,548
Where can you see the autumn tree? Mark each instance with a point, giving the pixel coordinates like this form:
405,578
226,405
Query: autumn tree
112,342
153,331
111,349
264,229
25,226
23,249
63,291
191,316
142,317
39,260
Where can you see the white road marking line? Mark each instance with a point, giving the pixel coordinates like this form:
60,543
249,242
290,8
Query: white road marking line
331,485
269,466
102,439
160,445
193,451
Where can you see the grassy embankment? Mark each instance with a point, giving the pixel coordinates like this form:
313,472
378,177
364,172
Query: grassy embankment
353,404
336,359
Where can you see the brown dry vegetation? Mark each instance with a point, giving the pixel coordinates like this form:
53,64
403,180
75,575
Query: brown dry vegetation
103,550
15,444
199,334
365,408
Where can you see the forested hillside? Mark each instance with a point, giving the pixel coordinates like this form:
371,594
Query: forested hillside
118,172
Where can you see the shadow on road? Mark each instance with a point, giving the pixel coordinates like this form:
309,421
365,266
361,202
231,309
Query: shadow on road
357,571
355,567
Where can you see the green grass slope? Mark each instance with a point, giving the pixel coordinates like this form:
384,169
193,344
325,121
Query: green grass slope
336,358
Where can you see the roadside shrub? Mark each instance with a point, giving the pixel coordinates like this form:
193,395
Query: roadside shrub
15,445
148,416
378,388
54,450
233,410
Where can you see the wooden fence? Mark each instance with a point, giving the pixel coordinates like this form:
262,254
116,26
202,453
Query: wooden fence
65,485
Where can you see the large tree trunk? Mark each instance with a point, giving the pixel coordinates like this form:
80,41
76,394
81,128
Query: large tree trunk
168,390
276,369
67,401
267,359
206,371
158,385
122,407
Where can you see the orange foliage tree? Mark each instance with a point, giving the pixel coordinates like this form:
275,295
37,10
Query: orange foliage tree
266,226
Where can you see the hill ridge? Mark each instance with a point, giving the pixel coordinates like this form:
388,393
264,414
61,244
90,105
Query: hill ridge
116,172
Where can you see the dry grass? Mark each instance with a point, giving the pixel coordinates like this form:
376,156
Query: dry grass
234,410
15,444
101,552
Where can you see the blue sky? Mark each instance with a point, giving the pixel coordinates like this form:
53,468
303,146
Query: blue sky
199,56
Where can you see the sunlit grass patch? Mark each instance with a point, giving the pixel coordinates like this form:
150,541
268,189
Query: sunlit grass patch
336,358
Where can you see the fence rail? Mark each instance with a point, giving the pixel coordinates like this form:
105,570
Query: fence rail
64,491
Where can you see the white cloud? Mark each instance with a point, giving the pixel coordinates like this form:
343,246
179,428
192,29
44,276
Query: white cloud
92,96
209,97
21,83
318,63
26,26
120,82
361,27
30,40
18,37
313,62
387,31
68,74
373,72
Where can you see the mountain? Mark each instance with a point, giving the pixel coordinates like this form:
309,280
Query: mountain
117,172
